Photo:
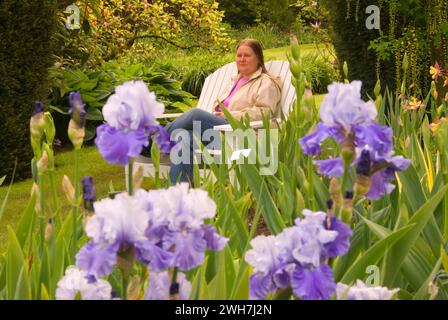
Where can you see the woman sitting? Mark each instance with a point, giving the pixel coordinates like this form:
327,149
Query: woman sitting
254,92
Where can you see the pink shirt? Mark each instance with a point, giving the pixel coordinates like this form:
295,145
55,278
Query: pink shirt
241,81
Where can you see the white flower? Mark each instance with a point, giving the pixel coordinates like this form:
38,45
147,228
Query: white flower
132,107
264,255
118,220
343,106
159,286
180,207
75,282
360,291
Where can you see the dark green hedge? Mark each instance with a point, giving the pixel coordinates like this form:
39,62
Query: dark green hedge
351,39
26,31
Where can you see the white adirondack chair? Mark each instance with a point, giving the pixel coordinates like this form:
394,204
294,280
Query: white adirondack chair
213,85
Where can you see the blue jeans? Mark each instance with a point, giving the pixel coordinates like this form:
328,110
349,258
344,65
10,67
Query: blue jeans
184,171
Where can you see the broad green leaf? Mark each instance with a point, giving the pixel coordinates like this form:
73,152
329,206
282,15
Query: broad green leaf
373,255
231,210
59,110
229,268
444,260
412,188
3,206
416,267
45,270
22,290
199,284
423,293
341,264
258,187
26,224
241,285
217,287
44,293
17,282
2,272
420,218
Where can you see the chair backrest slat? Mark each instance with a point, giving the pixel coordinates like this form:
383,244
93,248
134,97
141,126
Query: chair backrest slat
216,82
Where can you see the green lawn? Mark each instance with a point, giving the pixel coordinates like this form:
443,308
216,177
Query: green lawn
92,164
283,52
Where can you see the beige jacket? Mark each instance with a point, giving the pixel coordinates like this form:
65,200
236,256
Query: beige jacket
261,94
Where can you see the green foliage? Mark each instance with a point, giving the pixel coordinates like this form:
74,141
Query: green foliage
96,85
351,40
279,13
111,29
319,72
26,30
241,12
268,34
416,28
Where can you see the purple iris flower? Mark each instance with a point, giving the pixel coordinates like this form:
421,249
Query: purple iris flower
97,260
119,147
341,244
88,192
313,283
77,108
364,163
295,258
177,225
379,180
132,107
260,286
376,136
131,115
117,223
163,139
160,283
344,113
330,167
165,228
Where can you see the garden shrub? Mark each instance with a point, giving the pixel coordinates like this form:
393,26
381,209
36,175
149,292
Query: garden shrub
26,31
413,27
268,34
198,70
95,86
319,72
351,40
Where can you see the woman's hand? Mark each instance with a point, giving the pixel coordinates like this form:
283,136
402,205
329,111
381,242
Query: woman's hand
219,114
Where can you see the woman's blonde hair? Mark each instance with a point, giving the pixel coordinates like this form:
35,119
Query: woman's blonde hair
258,50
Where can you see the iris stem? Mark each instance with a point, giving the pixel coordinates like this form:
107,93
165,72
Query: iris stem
344,179
75,207
311,184
130,178
174,278
54,194
125,283
42,209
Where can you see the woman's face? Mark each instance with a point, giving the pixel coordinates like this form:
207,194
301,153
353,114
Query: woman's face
246,60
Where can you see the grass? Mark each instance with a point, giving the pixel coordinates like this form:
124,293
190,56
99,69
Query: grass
92,164
305,49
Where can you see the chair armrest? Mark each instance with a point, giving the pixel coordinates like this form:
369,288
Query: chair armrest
169,115
253,125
